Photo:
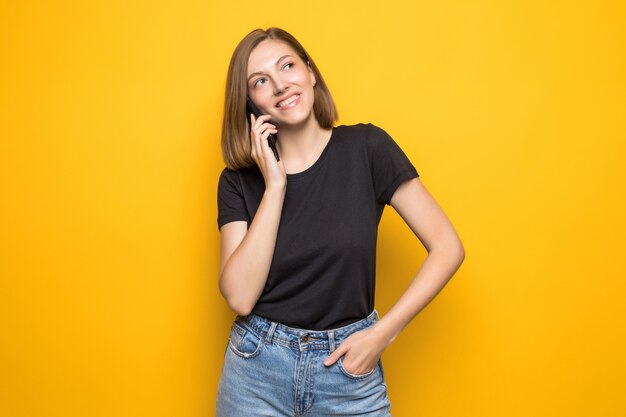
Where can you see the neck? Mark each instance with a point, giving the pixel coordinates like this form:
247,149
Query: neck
299,146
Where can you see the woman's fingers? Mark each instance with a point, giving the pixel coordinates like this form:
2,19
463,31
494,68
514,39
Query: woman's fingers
260,141
337,353
362,351
260,124
265,145
260,131
273,171
257,122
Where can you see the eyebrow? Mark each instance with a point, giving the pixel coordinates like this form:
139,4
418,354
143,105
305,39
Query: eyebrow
262,73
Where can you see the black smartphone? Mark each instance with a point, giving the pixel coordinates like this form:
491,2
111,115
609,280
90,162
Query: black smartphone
272,138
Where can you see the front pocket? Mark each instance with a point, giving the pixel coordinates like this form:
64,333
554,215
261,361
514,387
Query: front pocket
355,376
244,342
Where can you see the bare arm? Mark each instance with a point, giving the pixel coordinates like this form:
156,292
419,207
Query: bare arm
445,254
246,254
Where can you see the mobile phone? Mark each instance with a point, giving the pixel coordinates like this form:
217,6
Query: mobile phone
272,138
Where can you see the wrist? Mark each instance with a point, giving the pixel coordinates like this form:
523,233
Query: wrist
276,189
384,332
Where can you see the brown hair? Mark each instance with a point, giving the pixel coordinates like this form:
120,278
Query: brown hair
236,146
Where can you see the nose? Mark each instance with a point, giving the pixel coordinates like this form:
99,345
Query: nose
280,87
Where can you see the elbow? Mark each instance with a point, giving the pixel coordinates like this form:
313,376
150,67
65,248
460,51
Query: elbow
240,309
453,250
461,255
459,251
238,304
456,251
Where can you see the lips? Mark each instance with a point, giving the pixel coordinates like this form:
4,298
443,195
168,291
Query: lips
289,102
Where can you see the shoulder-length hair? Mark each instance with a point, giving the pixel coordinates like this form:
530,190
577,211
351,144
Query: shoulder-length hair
236,145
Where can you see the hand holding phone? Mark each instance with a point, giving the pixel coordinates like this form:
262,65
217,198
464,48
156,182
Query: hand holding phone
271,139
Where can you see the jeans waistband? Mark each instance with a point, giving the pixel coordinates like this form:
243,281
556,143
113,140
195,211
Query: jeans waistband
303,339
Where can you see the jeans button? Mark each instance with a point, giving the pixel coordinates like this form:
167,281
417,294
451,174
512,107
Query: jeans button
305,338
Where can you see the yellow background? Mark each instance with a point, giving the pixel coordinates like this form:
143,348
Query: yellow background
514,114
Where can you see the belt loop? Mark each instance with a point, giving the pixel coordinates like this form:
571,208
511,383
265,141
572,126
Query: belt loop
331,341
270,333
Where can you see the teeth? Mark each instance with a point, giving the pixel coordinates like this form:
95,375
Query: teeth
288,101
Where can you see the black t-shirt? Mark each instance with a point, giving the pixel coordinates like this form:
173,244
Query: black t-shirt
322,274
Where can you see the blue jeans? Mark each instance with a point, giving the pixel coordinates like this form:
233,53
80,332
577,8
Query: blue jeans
271,369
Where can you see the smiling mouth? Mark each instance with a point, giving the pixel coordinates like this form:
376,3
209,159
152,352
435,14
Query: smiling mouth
288,102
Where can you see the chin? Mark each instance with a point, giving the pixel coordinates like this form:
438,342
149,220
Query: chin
296,116
297,120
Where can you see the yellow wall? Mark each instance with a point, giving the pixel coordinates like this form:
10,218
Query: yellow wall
514,113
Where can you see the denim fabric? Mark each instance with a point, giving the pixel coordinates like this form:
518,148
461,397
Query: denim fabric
271,369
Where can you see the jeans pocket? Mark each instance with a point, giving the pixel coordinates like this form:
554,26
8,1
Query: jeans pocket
356,376
244,342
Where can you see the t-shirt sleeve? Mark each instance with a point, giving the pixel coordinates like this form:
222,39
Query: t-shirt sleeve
389,164
231,205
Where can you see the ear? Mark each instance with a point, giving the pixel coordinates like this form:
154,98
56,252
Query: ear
312,75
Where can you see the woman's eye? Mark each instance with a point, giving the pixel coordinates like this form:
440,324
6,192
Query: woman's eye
288,65
259,81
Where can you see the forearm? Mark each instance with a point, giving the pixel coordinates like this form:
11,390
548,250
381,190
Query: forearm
245,273
436,270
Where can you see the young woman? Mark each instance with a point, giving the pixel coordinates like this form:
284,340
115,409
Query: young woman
298,242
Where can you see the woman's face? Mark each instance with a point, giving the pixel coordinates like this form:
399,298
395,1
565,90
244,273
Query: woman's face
280,83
